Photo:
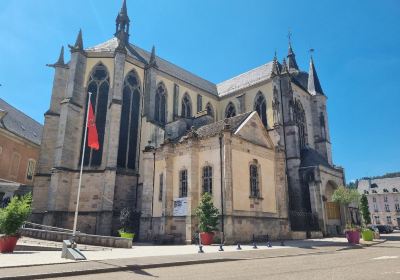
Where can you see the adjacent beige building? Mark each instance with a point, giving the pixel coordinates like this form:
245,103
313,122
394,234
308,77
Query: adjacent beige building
383,199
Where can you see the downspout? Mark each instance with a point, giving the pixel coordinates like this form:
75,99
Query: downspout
222,188
152,193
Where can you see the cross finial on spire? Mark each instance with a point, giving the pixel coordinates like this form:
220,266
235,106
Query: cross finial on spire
289,36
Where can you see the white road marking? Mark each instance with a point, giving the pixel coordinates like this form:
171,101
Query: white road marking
386,257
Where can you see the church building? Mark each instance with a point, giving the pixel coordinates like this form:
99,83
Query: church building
258,142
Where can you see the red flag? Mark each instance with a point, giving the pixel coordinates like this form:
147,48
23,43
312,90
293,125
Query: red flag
93,138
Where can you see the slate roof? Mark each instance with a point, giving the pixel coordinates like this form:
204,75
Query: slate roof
314,85
20,124
242,81
310,157
246,79
379,185
215,128
163,65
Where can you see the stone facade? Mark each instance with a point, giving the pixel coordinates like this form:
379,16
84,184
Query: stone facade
141,100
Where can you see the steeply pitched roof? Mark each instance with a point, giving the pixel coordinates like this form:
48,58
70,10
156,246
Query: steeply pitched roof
20,124
310,157
313,85
162,64
246,79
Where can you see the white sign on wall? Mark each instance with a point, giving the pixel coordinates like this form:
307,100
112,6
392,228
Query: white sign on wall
180,206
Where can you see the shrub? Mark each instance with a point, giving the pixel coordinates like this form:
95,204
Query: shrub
126,219
207,214
15,214
364,208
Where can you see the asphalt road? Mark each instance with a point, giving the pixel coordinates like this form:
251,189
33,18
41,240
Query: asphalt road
381,261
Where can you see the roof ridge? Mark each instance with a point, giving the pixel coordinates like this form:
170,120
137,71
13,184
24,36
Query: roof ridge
248,71
163,59
16,109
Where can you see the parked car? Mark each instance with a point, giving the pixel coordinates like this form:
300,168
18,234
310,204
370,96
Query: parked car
383,228
389,228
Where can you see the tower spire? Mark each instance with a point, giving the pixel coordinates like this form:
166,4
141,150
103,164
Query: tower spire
313,86
60,62
291,57
275,65
122,23
152,61
78,43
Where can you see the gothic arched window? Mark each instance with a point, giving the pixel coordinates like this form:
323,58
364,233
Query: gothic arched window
230,110
128,132
260,105
160,104
300,120
210,109
186,111
98,85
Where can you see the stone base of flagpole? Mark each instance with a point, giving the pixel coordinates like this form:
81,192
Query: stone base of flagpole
71,252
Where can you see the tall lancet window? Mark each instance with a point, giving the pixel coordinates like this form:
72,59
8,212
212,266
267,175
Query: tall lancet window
210,110
230,110
186,110
98,85
128,132
300,120
160,104
260,105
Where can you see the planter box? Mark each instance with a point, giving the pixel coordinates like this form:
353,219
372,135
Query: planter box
353,237
367,235
8,243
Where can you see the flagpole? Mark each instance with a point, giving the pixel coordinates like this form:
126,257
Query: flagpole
80,172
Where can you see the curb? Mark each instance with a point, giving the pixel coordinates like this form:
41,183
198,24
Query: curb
117,269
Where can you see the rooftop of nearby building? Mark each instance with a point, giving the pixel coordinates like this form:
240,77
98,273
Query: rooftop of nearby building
18,123
379,185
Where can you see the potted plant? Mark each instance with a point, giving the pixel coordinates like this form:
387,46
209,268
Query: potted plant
207,214
345,196
11,220
352,234
367,234
125,218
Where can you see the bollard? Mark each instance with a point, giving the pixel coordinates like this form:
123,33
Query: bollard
200,249
254,243
238,247
221,249
200,246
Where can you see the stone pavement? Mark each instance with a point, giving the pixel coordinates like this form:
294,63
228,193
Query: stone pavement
38,263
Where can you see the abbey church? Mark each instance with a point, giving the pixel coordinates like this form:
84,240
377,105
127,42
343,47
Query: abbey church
259,143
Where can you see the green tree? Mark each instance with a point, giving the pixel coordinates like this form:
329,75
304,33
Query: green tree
207,214
345,196
364,208
15,214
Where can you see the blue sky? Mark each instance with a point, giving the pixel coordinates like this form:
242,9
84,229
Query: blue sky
356,42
